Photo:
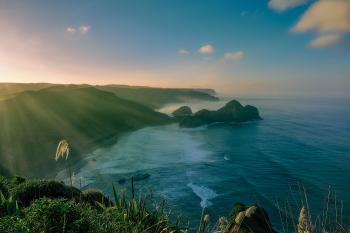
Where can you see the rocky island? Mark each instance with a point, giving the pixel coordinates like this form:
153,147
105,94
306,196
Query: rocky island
183,111
233,111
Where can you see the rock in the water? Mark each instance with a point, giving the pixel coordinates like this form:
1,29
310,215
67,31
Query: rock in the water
122,181
139,177
233,111
182,112
250,219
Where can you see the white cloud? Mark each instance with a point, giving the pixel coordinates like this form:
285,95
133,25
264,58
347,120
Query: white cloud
183,52
237,55
282,5
326,40
206,49
330,19
84,29
71,30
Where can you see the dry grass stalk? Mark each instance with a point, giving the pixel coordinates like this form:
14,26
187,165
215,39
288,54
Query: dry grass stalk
62,150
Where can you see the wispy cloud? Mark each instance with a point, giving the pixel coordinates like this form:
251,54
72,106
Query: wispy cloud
83,29
71,30
330,19
236,55
183,52
282,5
326,40
206,49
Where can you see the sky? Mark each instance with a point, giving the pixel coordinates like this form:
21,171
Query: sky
238,47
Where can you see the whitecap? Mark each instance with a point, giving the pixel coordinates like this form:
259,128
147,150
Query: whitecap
204,193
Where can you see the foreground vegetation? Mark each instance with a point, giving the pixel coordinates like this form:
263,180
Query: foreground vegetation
49,206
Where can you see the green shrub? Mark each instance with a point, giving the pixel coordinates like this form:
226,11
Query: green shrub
3,189
13,225
8,206
28,191
59,215
92,196
16,180
116,220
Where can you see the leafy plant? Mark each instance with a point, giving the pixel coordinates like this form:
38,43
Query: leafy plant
59,215
8,206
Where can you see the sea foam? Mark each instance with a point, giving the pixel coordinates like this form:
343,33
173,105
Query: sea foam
204,193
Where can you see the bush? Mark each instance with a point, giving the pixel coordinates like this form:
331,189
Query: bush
59,215
13,225
4,190
16,180
28,191
92,196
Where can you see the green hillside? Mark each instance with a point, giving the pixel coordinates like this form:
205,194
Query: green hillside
158,97
8,90
33,122
153,97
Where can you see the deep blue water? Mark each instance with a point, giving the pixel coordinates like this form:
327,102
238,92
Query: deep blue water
300,144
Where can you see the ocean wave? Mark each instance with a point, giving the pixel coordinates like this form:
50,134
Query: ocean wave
204,193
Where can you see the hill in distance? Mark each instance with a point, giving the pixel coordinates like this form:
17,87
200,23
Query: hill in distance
153,97
158,97
9,90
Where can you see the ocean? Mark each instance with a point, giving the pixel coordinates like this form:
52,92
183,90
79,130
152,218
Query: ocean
295,156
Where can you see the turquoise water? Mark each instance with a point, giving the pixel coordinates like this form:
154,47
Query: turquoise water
299,143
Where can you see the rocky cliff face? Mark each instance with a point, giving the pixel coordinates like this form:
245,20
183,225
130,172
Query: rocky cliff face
233,111
182,112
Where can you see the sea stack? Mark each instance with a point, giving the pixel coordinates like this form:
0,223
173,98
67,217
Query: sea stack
233,111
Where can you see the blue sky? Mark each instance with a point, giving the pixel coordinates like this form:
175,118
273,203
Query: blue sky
249,47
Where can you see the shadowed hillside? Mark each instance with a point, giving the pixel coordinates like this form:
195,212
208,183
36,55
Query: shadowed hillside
33,122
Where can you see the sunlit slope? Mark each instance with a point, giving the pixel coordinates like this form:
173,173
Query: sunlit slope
8,90
33,122
158,97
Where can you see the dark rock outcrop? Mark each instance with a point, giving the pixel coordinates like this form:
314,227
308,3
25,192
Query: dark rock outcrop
182,112
233,111
250,219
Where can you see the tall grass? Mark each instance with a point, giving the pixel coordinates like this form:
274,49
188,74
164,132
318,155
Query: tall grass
301,220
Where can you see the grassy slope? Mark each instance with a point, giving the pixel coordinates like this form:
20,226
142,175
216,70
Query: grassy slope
33,122
8,90
158,97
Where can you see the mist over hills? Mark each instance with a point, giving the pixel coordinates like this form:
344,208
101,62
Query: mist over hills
158,97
